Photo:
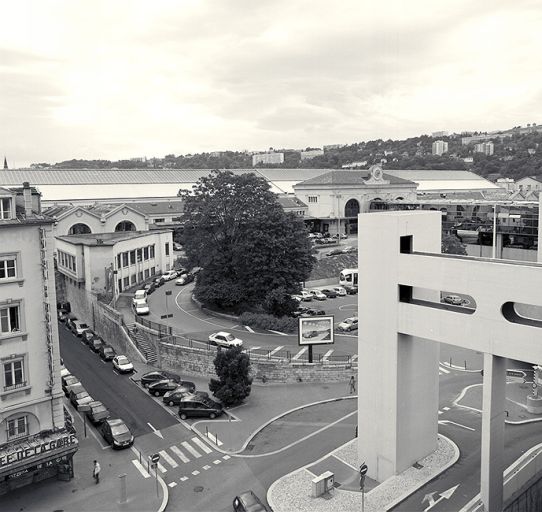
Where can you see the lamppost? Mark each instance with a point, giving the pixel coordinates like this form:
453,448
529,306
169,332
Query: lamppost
338,196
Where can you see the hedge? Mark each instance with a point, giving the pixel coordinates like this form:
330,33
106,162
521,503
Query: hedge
270,322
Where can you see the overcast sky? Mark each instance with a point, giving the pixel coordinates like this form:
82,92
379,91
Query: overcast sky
120,79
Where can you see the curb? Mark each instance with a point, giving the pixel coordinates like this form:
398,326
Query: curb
458,368
165,494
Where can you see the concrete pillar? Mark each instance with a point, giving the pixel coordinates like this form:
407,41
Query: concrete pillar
492,465
498,246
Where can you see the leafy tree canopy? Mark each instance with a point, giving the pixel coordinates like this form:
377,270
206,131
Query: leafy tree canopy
232,368
236,230
452,245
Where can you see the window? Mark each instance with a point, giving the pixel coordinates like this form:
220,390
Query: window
151,251
74,266
132,258
18,427
139,255
9,319
140,276
153,271
167,248
8,268
145,253
156,221
119,260
14,375
120,285
124,259
5,208
313,199
126,282
146,273
133,279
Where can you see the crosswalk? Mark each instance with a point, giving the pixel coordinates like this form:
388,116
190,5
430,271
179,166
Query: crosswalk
442,370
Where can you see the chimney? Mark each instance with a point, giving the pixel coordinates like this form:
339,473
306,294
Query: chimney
27,196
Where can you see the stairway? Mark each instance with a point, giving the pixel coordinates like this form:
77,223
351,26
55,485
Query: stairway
144,346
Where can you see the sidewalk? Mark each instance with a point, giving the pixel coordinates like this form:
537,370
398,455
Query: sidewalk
82,494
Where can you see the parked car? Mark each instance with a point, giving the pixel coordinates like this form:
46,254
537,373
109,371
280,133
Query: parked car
158,281
299,311
185,279
351,289
116,433
248,502
329,293
225,339
334,252
141,307
174,397
78,396
64,372
88,335
67,382
122,364
95,343
194,406
161,387
150,377
456,300
169,275
70,317
306,296
299,298
149,288
97,412
348,324
343,236
62,315
317,294
349,249
339,290
139,295
78,327
107,352
312,312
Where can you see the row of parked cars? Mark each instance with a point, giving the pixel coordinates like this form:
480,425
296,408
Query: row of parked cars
177,392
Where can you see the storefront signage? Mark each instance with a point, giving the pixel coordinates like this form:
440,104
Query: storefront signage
37,448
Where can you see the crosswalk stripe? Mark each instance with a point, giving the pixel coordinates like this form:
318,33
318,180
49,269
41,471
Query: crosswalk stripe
275,350
300,353
167,458
206,467
190,449
140,468
226,457
441,412
184,478
248,328
172,484
217,461
179,454
214,439
196,472
201,445
444,369
445,408
327,354
161,468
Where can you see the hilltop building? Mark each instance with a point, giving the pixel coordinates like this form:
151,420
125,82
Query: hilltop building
439,147
268,158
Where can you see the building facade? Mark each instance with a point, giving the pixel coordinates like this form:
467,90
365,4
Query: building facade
307,155
487,148
34,442
268,158
439,147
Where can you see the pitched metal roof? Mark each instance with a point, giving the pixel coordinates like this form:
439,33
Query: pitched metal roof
351,178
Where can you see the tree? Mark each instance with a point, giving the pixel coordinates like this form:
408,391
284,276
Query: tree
452,245
236,230
279,302
232,368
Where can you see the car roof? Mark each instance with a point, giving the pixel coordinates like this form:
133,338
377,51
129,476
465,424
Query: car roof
115,421
223,333
249,499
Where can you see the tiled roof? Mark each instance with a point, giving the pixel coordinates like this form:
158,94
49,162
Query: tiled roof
91,239
291,202
351,178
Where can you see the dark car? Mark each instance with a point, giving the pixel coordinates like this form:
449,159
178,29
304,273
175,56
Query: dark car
300,311
117,433
186,278
97,412
88,335
334,252
330,294
174,397
68,381
312,312
248,502
350,289
162,387
95,343
79,396
158,281
194,407
149,288
107,352
62,315
70,318
150,377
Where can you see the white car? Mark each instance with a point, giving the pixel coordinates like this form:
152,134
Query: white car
348,324
318,295
225,339
79,327
139,295
339,290
169,275
122,364
305,295
141,307
297,297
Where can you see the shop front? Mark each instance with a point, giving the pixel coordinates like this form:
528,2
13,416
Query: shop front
37,458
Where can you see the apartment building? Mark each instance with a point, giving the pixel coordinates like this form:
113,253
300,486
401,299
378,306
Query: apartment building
487,148
34,442
439,147
268,158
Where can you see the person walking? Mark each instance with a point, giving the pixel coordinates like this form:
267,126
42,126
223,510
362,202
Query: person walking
96,471
352,385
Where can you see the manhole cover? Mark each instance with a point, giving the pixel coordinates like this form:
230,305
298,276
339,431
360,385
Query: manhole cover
249,447
198,488
417,465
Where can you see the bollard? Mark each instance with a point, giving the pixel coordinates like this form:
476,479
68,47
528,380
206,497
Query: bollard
450,362
465,364
123,493
139,456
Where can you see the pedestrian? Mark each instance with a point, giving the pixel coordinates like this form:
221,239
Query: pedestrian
96,471
352,385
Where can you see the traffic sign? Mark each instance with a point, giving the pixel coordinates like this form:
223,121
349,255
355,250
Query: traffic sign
155,457
363,469
362,473
168,292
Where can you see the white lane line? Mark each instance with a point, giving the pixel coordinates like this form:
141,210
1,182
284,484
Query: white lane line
206,467
183,478
161,468
448,422
115,371
140,468
248,328
197,441
190,449
275,350
195,472
226,457
214,439
441,368
167,458
441,412
217,461
445,408
179,454
251,348
172,484
277,332
327,354
300,353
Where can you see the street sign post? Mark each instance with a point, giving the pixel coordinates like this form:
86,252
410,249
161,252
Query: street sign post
362,474
155,457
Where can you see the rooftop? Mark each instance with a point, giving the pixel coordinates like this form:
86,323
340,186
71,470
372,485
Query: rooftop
92,239
352,178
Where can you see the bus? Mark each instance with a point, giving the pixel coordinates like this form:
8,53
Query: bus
349,276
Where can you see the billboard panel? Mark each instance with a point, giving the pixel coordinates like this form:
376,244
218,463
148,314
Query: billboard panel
316,330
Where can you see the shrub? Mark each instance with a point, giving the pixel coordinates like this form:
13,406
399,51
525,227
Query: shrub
270,322
232,368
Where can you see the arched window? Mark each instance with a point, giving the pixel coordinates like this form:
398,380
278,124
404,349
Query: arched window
399,198
125,225
79,229
351,209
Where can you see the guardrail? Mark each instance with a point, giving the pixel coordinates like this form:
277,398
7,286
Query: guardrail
163,330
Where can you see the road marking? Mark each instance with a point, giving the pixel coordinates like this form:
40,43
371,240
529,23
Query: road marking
140,468
206,467
277,332
445,495
195,472
167,458
115,371
197,441
214,439
190,449
217,461
445,408
179,454
157,432
251,348
226,457
248,328
183,478
327,354
102,361
449,422
300,353
276,349
354,357
441,412
441,368
172,484
161,468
